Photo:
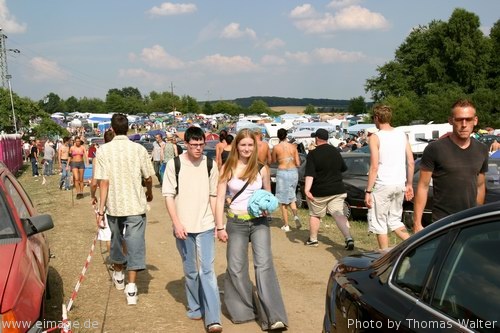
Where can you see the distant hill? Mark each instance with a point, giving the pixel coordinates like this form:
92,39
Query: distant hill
273,101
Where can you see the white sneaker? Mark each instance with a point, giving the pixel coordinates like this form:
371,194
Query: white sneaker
119,280
285,228
297,222
277,325
131,292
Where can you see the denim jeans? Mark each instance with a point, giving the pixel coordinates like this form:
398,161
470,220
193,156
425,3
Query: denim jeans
201,283
238,289
135,229
156,167
65,175
49,164
34,166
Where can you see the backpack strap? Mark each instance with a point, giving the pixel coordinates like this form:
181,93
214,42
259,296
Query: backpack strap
177,164
210,164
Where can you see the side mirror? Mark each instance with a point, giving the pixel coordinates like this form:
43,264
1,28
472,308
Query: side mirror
36,224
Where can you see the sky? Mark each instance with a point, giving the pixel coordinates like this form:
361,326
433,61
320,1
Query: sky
212,50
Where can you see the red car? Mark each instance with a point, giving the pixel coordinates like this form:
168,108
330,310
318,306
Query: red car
24,258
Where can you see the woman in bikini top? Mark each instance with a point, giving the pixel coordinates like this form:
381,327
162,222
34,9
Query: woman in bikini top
285,153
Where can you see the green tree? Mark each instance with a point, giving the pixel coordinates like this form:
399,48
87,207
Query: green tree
454,52
48,128
227,107
52,103
92,105
357,105
189,105
494,72
310,109
71,104
258,107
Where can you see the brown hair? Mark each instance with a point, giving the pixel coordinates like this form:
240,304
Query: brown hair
383,113
462,103
252,168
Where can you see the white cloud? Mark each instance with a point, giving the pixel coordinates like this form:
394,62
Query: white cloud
342,3
325,56
302,57
168,8
233,31
350,18
145,76
304,11
331,55
45,70
272,60
8,22
274,43
228,65
157,57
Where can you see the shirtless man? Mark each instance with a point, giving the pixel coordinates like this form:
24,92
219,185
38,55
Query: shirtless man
263,151
62,156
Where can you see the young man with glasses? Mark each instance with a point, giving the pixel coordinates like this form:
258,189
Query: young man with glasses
191,206
457,165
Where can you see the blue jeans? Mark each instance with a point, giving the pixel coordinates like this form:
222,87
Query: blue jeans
34,166
135,229
238,289
65,174
49,164
201,283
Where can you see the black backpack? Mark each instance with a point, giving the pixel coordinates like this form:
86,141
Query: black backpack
177,164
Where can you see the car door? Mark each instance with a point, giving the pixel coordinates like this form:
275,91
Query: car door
464,293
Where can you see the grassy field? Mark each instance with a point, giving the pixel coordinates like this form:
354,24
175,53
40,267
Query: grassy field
289,109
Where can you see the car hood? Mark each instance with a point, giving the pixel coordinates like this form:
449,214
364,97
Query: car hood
7,252
360,261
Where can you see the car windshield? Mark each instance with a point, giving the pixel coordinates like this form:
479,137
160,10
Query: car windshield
357,165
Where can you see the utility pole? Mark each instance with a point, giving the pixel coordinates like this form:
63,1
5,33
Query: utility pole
3,60
4,73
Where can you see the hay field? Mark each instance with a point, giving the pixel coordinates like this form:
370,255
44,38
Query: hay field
289,109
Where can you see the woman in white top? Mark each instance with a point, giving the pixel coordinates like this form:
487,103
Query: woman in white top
241,228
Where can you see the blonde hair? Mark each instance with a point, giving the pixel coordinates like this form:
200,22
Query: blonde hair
252,168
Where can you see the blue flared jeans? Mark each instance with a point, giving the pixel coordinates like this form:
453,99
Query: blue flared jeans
201,282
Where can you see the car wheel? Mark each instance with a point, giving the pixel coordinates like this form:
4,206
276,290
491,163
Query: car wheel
347,210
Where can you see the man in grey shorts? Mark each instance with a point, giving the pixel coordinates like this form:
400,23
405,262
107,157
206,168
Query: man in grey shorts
324,188
120,167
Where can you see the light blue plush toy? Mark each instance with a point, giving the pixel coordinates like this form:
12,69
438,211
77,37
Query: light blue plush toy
260,201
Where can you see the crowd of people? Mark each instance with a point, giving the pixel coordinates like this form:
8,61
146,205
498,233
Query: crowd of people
233,201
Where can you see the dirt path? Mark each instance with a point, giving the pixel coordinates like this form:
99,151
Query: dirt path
303,272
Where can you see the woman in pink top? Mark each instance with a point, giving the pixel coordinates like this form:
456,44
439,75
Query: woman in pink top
76,160
241,228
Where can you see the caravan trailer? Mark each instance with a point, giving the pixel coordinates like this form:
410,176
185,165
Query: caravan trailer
419,136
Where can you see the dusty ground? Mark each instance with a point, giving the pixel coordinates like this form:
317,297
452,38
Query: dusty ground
303,272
